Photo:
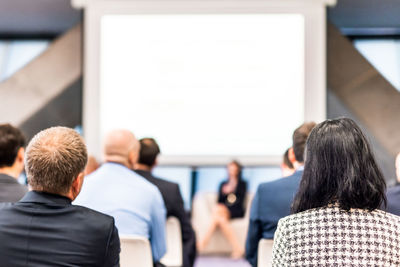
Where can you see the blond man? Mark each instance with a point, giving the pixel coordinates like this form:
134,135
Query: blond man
43,228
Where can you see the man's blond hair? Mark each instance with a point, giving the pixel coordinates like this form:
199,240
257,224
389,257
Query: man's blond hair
54,158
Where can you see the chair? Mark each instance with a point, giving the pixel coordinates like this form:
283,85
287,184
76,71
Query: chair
203,205
135,251
173,257
264,258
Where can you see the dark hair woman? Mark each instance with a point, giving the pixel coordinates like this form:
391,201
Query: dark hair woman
335,220
231,197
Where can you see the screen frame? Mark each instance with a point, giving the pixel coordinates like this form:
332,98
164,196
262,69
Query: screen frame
313,11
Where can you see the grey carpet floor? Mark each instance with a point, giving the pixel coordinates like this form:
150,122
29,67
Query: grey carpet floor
214,261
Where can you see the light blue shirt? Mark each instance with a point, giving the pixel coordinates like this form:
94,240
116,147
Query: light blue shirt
136,204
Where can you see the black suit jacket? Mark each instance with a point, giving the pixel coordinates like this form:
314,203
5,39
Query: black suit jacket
271,203
237,208
174,205
10,189
46,230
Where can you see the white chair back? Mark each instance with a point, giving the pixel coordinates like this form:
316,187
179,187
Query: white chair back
135,251
265,252
173,257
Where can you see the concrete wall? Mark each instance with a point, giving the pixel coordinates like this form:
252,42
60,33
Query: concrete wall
356,89
47,91
63,110
46,77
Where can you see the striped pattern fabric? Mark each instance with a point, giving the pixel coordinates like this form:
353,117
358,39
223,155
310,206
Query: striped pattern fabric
330,236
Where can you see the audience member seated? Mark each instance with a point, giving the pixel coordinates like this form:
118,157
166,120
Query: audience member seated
12,144
287,166
231,197
393,194
336,220
115,189
273,199
44,229
171,194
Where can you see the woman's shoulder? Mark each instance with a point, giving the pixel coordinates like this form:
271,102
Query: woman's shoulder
332,213
300,216
386,217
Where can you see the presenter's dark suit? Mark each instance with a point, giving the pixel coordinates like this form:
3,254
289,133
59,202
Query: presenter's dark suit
393,200
174,204
272,202
10,189
46,230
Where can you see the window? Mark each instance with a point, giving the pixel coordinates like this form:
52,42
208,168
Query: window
16,54
384,55
181,176
208,179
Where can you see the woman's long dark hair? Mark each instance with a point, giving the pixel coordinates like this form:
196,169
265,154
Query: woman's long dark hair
339,168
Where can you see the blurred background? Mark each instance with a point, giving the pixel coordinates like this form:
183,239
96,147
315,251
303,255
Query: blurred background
363,78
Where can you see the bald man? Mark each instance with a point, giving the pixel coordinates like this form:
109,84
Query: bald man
116,190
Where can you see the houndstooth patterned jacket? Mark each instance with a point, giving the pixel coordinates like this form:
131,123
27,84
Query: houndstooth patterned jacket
330,236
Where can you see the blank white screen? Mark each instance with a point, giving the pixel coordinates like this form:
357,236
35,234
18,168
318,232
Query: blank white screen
204,85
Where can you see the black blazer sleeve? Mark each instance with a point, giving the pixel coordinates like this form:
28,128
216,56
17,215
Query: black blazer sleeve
113,248
241,192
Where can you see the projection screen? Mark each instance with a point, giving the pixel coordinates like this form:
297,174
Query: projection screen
209,86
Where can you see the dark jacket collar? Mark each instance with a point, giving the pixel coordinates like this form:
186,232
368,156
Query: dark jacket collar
143,173
45,198
4,178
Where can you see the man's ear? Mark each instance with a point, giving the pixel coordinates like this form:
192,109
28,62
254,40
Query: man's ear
133,158
291,156
19,160
77,185
20,155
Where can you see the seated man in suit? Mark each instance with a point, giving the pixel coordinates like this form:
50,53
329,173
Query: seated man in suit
171,194
44,229
393,193
273,199
115,189
12,143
